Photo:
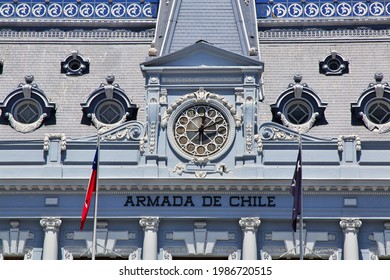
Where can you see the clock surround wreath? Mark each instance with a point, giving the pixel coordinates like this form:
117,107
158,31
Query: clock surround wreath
200,126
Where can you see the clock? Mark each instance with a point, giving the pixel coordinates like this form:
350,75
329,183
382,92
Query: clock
201,129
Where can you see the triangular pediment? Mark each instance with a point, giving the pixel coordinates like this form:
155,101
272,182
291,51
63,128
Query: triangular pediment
203,54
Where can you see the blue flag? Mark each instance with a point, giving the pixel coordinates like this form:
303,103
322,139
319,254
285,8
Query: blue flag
296,189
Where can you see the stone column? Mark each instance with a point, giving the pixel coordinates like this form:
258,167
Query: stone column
249,247
50,243
350,228
150,227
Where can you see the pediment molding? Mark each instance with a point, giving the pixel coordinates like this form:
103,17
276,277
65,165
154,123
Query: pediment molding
202,54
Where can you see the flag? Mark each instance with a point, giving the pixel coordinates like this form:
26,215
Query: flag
296,189
90,190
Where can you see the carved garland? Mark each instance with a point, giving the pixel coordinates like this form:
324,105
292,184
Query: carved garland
201,95
380,128
102,127
152,140
299,128
248,140
48,136
342,139
25,128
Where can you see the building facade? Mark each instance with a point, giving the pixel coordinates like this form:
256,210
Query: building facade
199,106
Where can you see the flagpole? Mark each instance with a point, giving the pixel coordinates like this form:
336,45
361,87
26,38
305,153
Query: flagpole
96,200
301,207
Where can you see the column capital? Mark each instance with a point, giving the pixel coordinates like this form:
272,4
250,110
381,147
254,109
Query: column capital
50,224
350,225
250,223
149,223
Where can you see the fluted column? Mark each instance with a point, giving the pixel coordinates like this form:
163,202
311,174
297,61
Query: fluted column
150,227
51,227
249,246
351,247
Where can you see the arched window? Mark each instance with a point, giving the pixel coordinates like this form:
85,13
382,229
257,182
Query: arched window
373,106
108,106
75,65
26,108
298,107
334,64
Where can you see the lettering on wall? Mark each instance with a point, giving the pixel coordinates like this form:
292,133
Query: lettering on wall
202,201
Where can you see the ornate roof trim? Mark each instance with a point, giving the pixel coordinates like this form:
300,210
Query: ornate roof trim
314,34
75,34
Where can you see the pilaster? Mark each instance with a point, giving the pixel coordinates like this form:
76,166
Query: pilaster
249,247
150,227
51,227
350,227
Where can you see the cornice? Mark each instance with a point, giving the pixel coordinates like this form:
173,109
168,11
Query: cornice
101,35
322,35
195,190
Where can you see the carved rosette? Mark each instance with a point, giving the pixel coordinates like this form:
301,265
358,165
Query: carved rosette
51,224
149,223
179,168
250,224
351,225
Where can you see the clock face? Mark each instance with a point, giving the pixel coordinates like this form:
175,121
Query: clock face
201,130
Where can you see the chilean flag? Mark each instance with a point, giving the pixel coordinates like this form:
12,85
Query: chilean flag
91,189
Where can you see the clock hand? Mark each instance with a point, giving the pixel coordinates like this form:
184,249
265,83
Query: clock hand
202,125
214,123
201,128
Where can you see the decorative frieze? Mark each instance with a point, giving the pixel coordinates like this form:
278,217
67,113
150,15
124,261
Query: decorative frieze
69,10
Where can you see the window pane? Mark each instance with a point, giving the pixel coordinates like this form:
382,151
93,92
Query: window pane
378,111
298,112
27,111
109,112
